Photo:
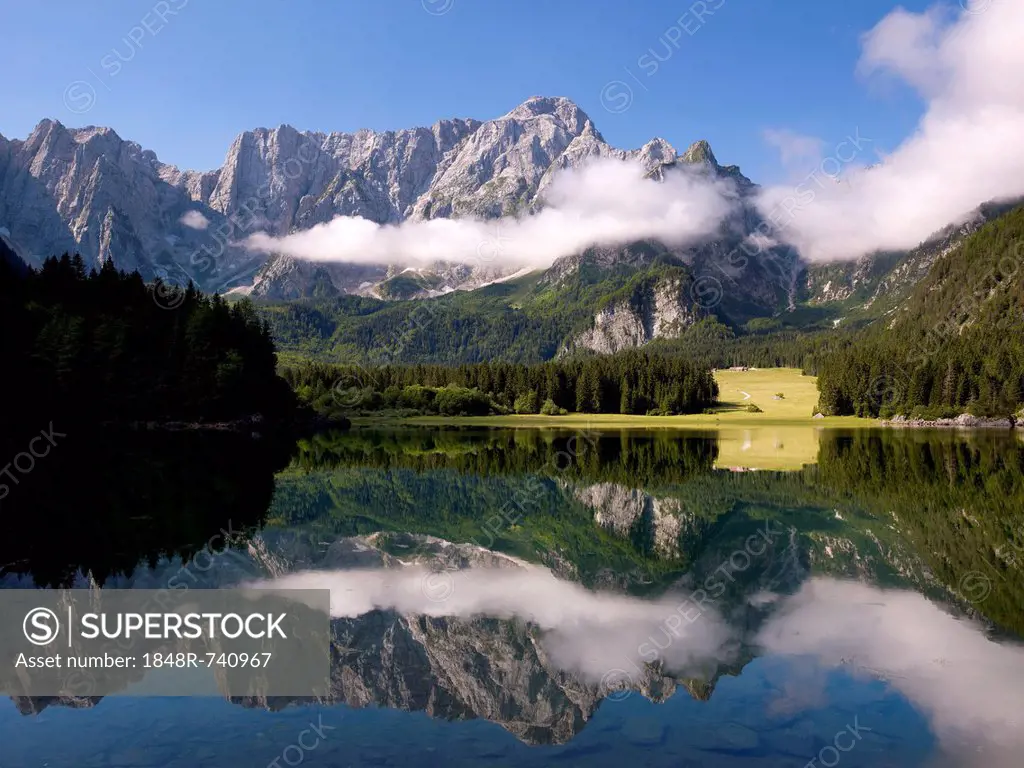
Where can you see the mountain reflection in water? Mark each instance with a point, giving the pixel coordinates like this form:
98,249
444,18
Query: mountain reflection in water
613,596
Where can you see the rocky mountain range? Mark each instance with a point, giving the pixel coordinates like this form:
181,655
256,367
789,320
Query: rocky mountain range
89,190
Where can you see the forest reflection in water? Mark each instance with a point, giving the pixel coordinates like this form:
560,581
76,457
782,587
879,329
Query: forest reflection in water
637,509
943,510
525,576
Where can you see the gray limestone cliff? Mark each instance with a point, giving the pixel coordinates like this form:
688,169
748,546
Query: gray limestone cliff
658,308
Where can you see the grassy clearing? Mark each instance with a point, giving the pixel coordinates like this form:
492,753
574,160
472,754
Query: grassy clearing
800,395
738,389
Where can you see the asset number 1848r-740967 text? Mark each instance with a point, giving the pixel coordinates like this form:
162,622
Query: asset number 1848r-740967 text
196,660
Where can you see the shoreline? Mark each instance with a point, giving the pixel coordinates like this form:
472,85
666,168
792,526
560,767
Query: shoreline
730,419
685,422
255,424
963,421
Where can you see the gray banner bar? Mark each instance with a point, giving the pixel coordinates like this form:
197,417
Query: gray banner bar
197,642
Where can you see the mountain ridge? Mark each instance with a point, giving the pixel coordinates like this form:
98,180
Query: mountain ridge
90,190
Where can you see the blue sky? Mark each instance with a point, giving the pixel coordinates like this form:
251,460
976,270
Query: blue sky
189,83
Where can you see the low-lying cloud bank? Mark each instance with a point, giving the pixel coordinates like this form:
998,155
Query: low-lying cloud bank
966,150
606,202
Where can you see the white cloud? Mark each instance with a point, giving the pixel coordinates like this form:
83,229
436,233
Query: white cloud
195,220
907,45
966,150
607,202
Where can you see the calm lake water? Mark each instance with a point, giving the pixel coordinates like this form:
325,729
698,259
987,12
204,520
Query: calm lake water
499,597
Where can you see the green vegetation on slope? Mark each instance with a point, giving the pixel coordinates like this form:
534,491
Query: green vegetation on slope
520,320
956,345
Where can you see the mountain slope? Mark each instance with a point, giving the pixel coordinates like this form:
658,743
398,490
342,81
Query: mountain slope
522,319
955,345
879,282
9,259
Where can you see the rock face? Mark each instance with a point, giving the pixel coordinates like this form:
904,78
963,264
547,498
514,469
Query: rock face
284,278
658,309
622,510
89,190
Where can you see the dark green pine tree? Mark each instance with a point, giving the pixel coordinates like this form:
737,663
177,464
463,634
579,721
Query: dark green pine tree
587,390
626,397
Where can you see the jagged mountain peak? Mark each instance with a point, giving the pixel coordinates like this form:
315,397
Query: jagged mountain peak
283,136
547,105
564,110
88,133
699,152
262,132
46,133
46,124
658,141
49,129
658,150
89,145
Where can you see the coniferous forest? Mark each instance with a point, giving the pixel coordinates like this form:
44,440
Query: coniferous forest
104,347
633,382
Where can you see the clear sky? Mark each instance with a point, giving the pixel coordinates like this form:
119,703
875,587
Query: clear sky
189,82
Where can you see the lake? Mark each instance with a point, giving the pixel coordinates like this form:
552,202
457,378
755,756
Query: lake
543,597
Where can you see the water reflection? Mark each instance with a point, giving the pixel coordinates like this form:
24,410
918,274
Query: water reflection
611,595
969,687
767,448
105,501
